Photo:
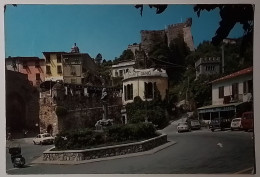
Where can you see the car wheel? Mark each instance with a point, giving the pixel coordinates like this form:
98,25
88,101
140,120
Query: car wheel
40,143
212,130
232,129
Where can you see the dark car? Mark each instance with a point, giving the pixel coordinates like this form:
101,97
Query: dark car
247,121
219,123
194,124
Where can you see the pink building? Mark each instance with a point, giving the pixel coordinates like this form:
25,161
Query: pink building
33,67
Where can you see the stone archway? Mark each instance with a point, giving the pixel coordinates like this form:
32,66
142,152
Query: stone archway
50,129
15,112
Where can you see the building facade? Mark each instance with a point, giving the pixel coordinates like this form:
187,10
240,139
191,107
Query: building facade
144,83
75,65
68,66
32,67
236,87
231,96
208,66
54,66
121,68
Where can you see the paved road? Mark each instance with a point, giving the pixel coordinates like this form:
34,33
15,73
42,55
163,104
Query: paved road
201,151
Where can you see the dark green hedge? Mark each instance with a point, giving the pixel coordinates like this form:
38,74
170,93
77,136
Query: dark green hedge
80,139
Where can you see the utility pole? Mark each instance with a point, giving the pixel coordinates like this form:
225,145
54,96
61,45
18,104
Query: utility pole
187,90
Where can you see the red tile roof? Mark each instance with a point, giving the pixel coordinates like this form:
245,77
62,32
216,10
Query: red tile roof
236,74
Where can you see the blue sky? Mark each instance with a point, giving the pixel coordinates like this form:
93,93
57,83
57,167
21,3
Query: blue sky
106,29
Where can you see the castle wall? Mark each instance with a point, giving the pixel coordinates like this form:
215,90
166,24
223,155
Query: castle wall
81,111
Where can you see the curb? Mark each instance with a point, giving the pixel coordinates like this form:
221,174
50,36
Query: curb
152,151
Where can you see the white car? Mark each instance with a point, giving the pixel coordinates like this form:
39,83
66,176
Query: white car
44,138
236,124
183,127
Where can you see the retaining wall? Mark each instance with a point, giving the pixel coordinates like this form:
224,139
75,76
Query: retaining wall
102,152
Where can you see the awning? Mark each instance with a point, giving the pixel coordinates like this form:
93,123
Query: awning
47,84
219,108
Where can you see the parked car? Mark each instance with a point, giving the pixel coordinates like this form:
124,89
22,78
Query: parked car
44,138
236,124
219,123
195,124
183,127
247,121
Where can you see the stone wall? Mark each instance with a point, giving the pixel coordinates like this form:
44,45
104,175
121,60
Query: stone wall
80,111
109,151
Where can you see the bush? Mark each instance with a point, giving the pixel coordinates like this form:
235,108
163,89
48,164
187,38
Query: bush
88,138
61,111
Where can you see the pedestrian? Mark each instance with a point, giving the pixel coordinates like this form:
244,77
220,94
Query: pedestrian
25,133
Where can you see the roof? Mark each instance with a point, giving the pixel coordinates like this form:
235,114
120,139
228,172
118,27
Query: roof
236,74
24,58
48,53
217,106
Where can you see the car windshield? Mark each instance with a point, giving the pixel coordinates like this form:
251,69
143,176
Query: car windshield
46,135
236,120
183,123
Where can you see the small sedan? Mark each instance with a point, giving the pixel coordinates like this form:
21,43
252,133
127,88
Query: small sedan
236,124
183,127
44,138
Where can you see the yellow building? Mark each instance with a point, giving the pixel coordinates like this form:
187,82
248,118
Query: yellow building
54,66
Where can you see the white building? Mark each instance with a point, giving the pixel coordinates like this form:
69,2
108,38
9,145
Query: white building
236,87
143,83
231,95
120,69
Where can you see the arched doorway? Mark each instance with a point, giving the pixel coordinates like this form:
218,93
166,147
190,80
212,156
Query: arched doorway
15,112
49,129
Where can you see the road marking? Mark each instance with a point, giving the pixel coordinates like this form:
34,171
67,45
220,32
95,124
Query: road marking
220,145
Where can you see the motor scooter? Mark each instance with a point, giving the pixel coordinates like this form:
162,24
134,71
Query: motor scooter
16,157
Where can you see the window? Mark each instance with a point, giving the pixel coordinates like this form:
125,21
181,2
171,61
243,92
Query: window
235,89
73,81
48,69
37,64
72,70
148,90
120,73
128,91
221,92
24,64
48,59
59,70
58,58
245,89
38,77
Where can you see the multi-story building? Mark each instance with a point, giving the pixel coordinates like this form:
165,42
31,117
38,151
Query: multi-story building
231,95
208,66
75,65
68,66
54,66
120,69
32,67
